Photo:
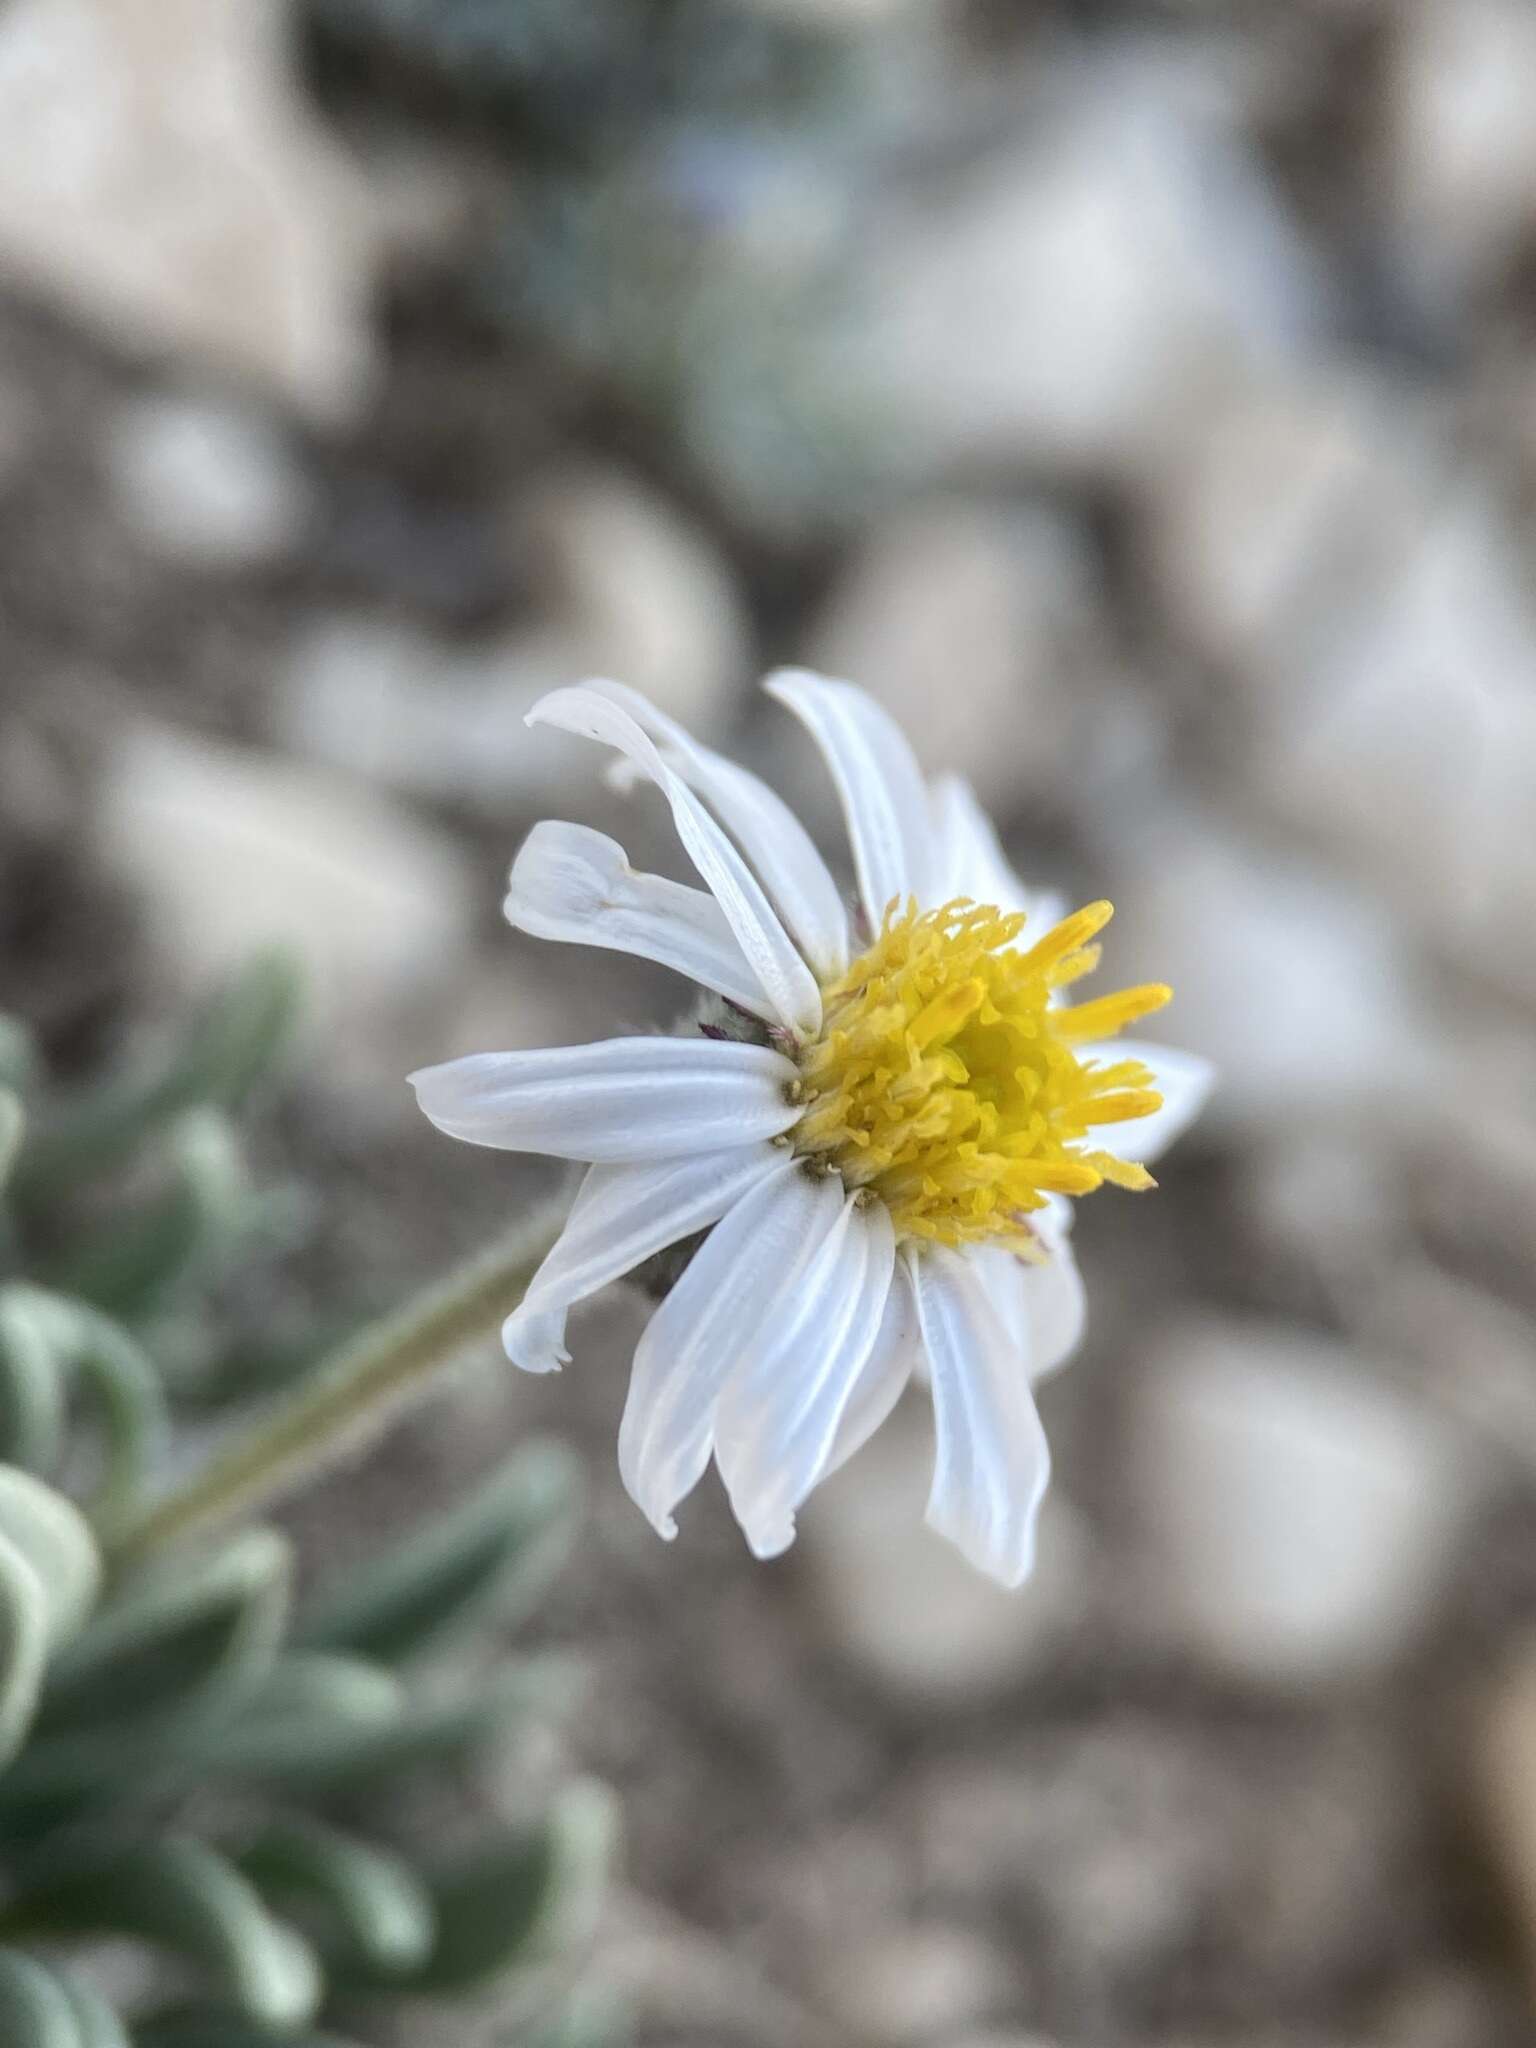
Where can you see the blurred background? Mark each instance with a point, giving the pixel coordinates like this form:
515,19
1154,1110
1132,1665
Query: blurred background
1140,399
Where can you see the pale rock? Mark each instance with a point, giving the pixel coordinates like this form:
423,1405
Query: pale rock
1295,984
1322,542
1000,2040
915,1982
980,627
903,1604
1079,296
846,15
17,430
1501,1758
1326,1193
1417,752
628,587
1301,1514
1280,510
1459,145
210,484
1467,1350
163,179
235,849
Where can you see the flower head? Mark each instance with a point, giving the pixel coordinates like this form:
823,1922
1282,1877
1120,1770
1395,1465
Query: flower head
881,1130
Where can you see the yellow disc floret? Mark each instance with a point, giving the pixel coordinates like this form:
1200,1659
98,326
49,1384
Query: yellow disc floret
945,1079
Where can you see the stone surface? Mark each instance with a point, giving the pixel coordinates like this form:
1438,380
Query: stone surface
981,627
1281,511
1302,1514
1071,302
1296,985
235,849
1459,148
624,585
1324,542
903,1605
1501,1762
915,1983
162,178
1418,751
209,484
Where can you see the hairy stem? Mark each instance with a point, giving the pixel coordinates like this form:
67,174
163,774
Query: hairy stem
351,1396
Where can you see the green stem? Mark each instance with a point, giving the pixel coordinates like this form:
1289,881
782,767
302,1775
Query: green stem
350,1396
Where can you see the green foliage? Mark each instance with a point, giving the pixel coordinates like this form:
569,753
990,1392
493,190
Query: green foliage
190,1760
669,227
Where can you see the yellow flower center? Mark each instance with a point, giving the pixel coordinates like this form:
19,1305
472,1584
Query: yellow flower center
946,1082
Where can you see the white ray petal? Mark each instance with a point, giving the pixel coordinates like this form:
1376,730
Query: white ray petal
576,885
536,1343
991,1464
970,860
781,1407
781,851
623,1216
879,784
784,977
743,1276
622,1099
1043,1307
1185,1081
884,1374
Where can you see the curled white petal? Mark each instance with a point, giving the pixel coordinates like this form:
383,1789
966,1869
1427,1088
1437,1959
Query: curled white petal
780,1409
620,1100
535,1343
879,784
781,851
1184,1080
991,1463
738,1281
576,885
783,976
623,1216
883,1375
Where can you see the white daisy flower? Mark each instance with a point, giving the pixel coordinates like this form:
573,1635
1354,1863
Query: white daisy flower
874,1135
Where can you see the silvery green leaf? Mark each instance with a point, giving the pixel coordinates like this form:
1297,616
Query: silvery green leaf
201,2029
18,1055
62,1340
180,1894
315,1685
183,1637
523,1899
35,2011
134,1262
495,1550
55,1539
99,2025
235,1042
32,1402
321,1752
13,1123
368,1912
23,1646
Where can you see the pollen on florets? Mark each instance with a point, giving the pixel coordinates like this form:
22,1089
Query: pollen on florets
945,1078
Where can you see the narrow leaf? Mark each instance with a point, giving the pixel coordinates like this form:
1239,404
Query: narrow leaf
55,1539
23,1647
186,1635
494,1551
34,2010
181,1894
368,1912
524,1899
